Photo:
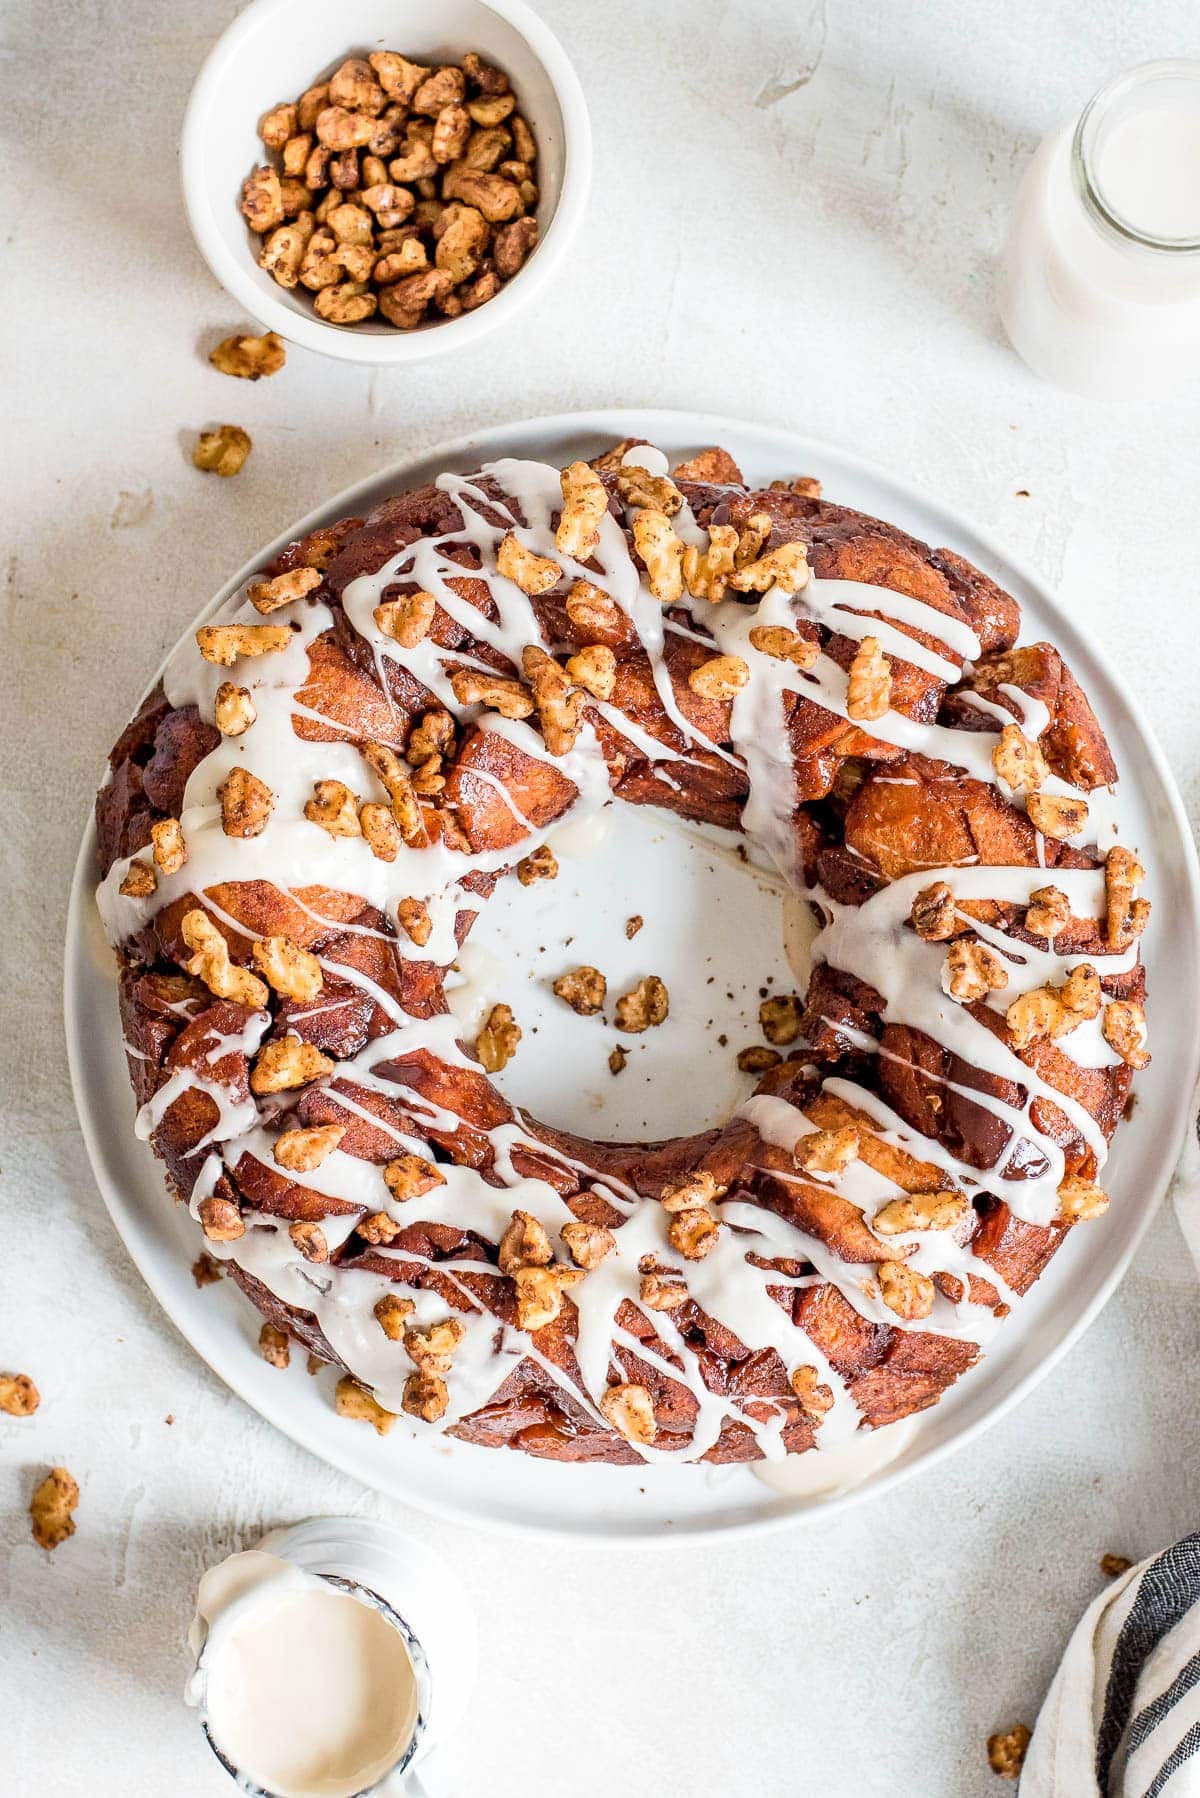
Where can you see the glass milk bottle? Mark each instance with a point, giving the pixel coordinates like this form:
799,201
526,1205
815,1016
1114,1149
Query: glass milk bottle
1099,282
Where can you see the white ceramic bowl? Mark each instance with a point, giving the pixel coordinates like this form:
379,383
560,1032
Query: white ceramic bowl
277,48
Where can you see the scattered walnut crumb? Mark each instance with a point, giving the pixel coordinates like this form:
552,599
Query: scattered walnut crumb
249,358
1006,1753
644,1007
51,1506
275,1346
1080,1199
19,1397
140,880
233,709
314,1364
1113,1566
497,1042
540,864
426,1396
584,989
222,451
780,1019
206,1271
756,1059
617,1060
633,925
352,1400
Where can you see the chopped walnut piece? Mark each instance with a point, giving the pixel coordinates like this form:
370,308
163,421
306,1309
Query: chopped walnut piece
433,1349
293,972
707,572
246,803
694,1234
827,1153
690,1191
583,989
629,1408
220,1219
650,492
19,1397
585,502
559,709
310,1239
206,1271
508,697
1113,1566
940,1210
497,1042
233,709
249,358
426,1397
1018,761
816,1398
644,1007
752,538
275,1346
139,882
594,669
212,965
540,864
588,1244
396,781
1048,912
378,1228
972,970
869,690
905,1291
407,620
432,735
334,808
633,925
50,1509
532,573
1124,1029
785,567
662,552
352,1400
302,1150
224,643
590,609
1037,1014
1080,1199
392,1314
1006,1753
757,1059
287,1063
722,677
411,1176
414,919
785,645
658,1293
617,1060
1123,874
932,914
540,1293
524,1244
269,596
1057,815
1081,993
222,451
780,1019
384,837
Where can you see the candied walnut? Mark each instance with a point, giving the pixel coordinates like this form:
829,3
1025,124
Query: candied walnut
352,1400
591,609
932,915
508,697
827,1153
633,925
334,808
224,643
491,111
426,1396
662,552
595,670
694,1234
1035,1015
525,146
690,1192
1081,992
339,129
268,596
540,864
869,691
170,849
660,1294
212,965
1006,1753
483,75
497,1042
721,678
398,77
540,1293
206,1271
246,803
432,735
296,153
316,176
451,129
222,451
282,256
249,358
411,1176
262,199
287,1063
644,1007
524,1244
806,485
1048,912
302,1150
220,1219
785,645
277,126
588,1244
50,1509
1080,1199
311,103
407,620
972,970
392,1314
559,709
497,199
512,245
320,267
1019,762
756,1059
654,492
233,709
533,574
413,917
1123,874
1113,1566
415,162
585,503
445,87
292,971
351,226
1057,815
139,882
816,1398
433,1349
584,989
617,1060
780,1019
383,834
275,1346
354,86
19,1397
785,567
462,241
485,148
905,1291
629,1408
921,1211
1124,1029
478,292
396,781
391,206
348,304
707,573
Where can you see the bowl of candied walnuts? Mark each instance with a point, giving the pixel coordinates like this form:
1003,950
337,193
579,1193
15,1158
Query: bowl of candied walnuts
382,180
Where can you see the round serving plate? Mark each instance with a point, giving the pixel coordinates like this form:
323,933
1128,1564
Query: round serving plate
645,868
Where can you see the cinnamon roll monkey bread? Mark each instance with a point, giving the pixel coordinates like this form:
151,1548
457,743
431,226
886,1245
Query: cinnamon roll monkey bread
310,809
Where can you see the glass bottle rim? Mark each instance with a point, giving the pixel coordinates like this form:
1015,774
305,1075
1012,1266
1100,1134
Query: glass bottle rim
1083,145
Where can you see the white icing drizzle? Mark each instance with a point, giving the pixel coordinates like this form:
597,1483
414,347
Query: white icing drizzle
871,941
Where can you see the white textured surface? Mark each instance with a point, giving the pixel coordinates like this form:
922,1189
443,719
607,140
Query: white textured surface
794,213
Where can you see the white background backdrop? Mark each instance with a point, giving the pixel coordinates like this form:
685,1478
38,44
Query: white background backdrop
794,215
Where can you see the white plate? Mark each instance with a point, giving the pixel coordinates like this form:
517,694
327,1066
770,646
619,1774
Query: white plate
603,1504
